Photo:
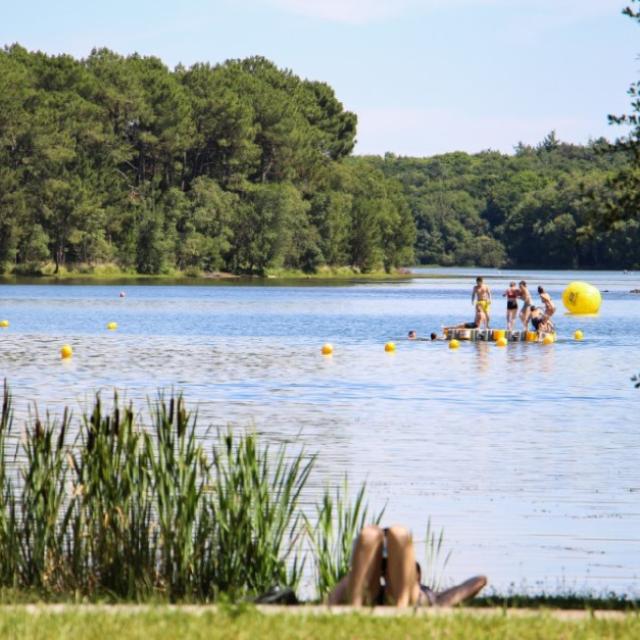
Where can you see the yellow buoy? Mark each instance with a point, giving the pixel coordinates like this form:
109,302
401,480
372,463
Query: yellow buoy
4,324
498,333
327,349
453,344
531,336
501,342
578,335
390,346
548,339
112,326
66,351
581,298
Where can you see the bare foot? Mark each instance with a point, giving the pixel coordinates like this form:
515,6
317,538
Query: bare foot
461,592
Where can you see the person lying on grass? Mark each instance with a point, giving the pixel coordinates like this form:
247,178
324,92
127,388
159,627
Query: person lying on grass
384,571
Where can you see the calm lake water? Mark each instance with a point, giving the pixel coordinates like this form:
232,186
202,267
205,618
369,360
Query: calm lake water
527,456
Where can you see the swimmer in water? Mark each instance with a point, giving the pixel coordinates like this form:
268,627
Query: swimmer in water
412,335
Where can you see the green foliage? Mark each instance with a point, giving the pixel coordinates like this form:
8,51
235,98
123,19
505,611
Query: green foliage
624,201
545,206
209,168
337,525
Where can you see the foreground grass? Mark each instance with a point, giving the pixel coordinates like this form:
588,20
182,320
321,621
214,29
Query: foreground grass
161,623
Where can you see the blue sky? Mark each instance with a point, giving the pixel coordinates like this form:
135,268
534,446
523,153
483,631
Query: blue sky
424,76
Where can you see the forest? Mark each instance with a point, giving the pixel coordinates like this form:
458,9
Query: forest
246,168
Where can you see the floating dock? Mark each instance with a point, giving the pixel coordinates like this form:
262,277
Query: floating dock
491,335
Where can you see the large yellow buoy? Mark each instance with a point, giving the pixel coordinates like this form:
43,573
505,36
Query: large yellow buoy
112,326
390,347
4,324
453,344
66,351
327,349
548,339
501,342
578,335
496,334
581,298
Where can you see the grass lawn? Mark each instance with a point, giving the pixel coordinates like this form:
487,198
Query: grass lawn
74,622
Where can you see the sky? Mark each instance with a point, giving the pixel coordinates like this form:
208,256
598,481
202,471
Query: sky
423,76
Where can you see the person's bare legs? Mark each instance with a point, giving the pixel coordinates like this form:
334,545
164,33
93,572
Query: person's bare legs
460,592
363,581
402,578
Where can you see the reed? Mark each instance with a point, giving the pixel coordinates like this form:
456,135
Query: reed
133,510
255,509
44,513
179,475
337,524
113,541
435,560
9,550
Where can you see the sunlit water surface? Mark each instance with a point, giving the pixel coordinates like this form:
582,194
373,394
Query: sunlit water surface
527,456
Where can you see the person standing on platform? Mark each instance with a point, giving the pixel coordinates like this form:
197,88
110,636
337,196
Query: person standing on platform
512,294
482,294
545,298
525,312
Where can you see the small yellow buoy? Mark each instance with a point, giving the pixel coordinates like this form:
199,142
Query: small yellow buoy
453,344
531,336
501,342
496,334
327,349
548,339
66,351
112,326
4,324
578,335
390,346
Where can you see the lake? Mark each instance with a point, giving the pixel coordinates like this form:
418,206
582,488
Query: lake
528,456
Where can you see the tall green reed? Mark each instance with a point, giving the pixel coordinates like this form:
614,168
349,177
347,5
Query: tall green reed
435,559
338,522
255,508
9,548
112,545
180,475
44,511
133,511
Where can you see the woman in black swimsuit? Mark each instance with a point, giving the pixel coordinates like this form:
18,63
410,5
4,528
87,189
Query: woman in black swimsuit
384,571
512,294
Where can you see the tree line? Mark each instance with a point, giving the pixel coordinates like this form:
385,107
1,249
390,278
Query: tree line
545,206
244,167
235,167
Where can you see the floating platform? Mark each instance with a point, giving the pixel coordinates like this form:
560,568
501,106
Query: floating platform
491,335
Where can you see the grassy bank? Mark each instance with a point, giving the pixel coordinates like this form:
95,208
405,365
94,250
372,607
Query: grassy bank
112,273
160,623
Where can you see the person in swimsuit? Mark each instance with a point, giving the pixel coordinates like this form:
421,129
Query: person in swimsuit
512,294
541,322
384,571
549,307
482,294
525,312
